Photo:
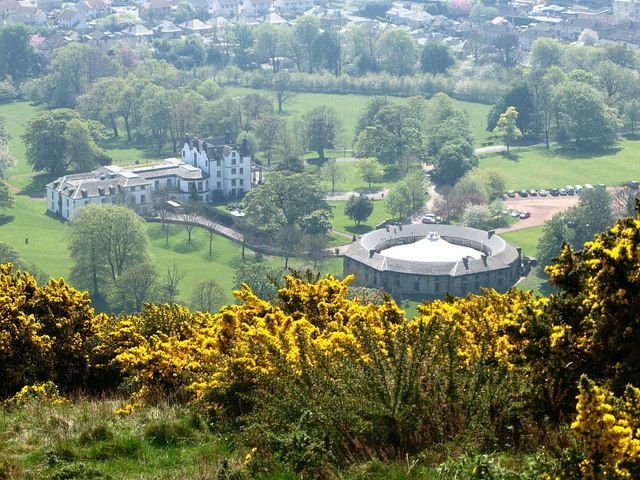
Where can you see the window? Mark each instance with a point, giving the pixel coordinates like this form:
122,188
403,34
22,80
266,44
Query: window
143,199
206,184
168,182
241,182
157,184
241,171
233,171
199,186
233,160
416,285
219,186
218,174
143,187
67,202
233,182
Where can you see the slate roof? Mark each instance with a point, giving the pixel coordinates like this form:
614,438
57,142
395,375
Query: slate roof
499,254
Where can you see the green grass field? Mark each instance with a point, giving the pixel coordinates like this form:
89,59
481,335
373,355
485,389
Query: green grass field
349,107
536,168
527,238
351,181
345,224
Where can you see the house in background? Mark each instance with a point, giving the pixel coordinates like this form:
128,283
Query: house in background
294,6
27,15
71,18
154,10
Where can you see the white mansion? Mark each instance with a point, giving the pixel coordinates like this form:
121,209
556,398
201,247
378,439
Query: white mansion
209,170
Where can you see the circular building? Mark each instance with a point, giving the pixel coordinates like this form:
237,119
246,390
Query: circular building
431,260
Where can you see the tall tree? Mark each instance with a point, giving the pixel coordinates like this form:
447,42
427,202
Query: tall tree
397,51
631,113
358,208
320,128
285,200
306,30
103,101
104,241
507,45
45,142
81,150
207,296
6,159
370,169
18,58
134,288
267,128
507,129
546,52
268,44
332,172
521,96
281,88
436,58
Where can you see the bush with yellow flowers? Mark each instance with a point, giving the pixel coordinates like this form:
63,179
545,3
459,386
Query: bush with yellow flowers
608,431
46,392
599,304
46,333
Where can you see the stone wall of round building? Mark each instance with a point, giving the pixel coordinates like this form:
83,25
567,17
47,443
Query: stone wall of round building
499,265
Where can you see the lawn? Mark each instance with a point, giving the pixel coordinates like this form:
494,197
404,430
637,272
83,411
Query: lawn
527,238
351,181
537,168
349,107
344,224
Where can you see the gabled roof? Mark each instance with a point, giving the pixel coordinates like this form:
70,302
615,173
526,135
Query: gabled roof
219,22
69,14
167,27
137,31
195,25
274,19
156,4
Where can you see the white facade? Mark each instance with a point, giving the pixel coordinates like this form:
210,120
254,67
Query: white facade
229,167
294,6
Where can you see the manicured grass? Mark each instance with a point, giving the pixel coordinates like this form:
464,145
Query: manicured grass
349,107
344,224
538,168
351,181
16,116
526,238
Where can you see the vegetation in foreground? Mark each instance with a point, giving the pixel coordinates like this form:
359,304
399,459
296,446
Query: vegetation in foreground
321,383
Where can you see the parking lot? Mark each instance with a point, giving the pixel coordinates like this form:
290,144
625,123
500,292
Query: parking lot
541,208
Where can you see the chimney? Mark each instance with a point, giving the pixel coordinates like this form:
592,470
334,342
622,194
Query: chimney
491,233
244,150
387,227
484,259
465,260
227,136
371,253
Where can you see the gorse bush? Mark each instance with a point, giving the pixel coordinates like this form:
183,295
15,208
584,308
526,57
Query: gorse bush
316,377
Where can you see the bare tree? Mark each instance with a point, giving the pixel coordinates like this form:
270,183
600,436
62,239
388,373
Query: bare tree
332,172
207,296
169,287
189,220
624,201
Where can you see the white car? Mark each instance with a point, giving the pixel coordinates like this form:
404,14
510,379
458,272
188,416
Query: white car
588,186
543,192
428,219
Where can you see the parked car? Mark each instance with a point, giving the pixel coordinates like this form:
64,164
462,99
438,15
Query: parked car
523,193
579,189
554,192
515,213
633,185
533,193
602,185
511,194
429,220
524,215
543,192
588,186
570,190
562,192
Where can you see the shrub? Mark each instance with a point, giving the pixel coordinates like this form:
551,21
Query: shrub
167,433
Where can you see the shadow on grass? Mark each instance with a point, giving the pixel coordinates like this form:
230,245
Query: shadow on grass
574,152
358,229
186,247
511,156
37,187
5,219
631,136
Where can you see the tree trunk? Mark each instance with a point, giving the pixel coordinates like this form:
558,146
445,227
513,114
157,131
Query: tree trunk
279,104
115,128
126,125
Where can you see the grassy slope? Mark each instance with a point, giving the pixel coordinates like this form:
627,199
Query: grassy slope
349,108
537,168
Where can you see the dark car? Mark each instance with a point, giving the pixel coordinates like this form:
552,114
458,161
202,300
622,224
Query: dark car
511,194
523,193
554,192
524,215
633,185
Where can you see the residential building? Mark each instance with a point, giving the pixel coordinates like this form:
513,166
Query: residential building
154,10
195,26
293,6
28,15
227,164
228,8
71,18
257,8
133,187
49,5
167,29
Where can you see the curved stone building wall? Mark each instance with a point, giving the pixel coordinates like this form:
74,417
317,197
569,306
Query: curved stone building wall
498,267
